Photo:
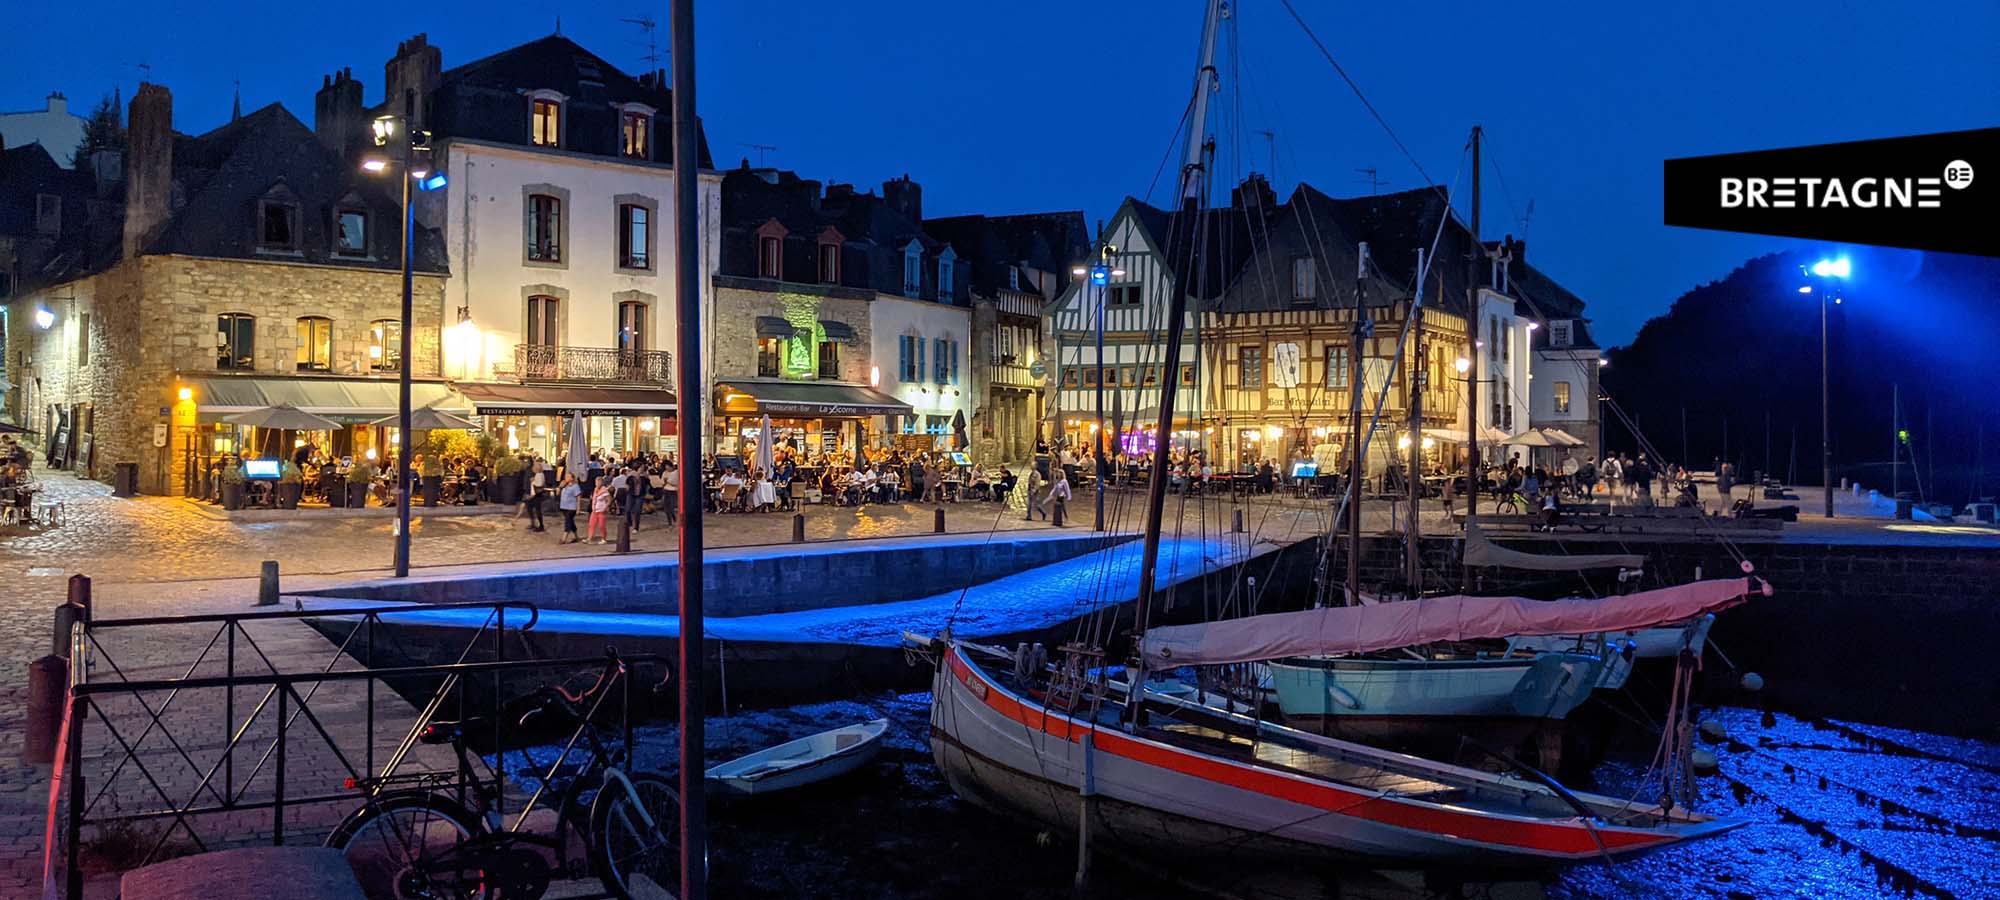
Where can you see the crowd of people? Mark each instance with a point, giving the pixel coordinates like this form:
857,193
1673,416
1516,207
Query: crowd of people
17,483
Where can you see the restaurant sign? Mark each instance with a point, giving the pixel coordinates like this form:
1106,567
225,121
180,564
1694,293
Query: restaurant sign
587,411
820,409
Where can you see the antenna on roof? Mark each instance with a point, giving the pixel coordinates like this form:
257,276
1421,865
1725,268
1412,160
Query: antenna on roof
761,150
1526,217
558,25
145,70
1373,179
652,42
1271,144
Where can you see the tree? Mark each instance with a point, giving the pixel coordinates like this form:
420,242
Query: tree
103,130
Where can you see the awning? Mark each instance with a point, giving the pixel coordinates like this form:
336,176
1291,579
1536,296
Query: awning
805,398
838,331
489,399
774,327
352,401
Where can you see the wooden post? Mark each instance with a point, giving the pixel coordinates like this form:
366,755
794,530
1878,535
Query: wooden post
1087,796
267,584
798,528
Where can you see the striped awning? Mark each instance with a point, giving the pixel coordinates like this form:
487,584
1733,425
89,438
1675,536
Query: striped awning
774,327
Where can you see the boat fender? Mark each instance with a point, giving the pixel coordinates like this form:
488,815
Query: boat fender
1342,697
1753,682
1715,731
1704,761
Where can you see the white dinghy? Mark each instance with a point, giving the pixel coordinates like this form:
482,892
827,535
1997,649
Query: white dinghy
808,760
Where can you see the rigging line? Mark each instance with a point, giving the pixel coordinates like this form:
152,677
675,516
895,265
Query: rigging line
1173,143
1493,161
1356,88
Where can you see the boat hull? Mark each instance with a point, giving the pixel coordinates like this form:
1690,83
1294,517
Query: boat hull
1545,687
1007,753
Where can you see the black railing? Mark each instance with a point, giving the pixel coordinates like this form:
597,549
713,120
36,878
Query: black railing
546,362
218,788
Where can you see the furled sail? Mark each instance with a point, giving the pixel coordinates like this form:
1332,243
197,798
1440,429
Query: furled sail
1481,551
1407,623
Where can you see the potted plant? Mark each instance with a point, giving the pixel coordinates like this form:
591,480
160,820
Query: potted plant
232,486
358,480
507,479
291,485
432,470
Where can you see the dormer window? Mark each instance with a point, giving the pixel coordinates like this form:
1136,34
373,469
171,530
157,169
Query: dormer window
48,214
350,232
1559,333
277,226
830,241
946,262
635,131
913,269
1304,289
545,125
1013,278
771,250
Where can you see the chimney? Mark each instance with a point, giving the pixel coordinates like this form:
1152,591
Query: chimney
414,67
808,190
58,103
149,184
107,169
337,115
1254,194
906,197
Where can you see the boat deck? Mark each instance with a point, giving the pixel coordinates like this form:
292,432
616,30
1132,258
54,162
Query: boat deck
1307,762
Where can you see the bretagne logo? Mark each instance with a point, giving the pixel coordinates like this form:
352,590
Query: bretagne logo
1834,193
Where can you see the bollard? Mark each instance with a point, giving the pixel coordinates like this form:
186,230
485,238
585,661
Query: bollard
48,681
937,523
267,584
624,534
1236,522
798,528
67,615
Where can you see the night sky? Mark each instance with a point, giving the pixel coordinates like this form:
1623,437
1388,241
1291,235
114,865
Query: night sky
1032,105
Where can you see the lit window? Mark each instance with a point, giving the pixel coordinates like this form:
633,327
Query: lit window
1562,398
633,128
769,351
632,326
1337,361
544,228
385,345
634,236
235,341
315,344
1250,368
545,125
350,236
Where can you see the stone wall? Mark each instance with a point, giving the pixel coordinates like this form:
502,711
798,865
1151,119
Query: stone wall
154,318
735,336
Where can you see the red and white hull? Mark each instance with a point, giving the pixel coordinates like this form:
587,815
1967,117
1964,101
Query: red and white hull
1292,795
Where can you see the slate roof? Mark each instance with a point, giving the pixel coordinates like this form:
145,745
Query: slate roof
218,179
874,234
485,99
1051,242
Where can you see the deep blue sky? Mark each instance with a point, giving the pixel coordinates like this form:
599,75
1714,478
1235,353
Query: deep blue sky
1032,105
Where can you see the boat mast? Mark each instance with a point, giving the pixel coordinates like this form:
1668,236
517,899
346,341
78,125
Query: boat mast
1357,340
1472,467
1193,196
1415,374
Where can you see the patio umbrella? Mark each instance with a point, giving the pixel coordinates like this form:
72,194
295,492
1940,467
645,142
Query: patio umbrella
1561,438
427,418
764,458
578,460
1532,438
1491,435
959,441
283,417
1117,419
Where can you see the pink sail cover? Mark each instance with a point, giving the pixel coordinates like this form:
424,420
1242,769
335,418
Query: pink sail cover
1407,623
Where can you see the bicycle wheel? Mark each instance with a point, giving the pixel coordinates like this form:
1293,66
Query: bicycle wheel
636,862
390,844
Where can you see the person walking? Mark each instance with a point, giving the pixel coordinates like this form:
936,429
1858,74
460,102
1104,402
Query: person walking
567,500
1033,494
600,511
670,491
531,497
1059,495
637,486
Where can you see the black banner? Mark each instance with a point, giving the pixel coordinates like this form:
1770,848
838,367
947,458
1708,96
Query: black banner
1926,192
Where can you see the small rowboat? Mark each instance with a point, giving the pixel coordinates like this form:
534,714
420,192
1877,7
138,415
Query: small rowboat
808,760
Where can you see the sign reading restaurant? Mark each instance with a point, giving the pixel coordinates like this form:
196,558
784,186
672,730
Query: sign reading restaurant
821,409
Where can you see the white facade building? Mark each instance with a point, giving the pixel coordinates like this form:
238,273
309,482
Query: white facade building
54,127
921,350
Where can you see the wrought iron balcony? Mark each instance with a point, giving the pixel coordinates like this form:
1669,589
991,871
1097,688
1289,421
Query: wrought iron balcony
543,362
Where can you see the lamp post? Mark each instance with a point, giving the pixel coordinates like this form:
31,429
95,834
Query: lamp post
409,141
1100,278
1829,271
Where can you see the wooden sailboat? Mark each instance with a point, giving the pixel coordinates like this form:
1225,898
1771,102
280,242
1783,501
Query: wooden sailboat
1062,746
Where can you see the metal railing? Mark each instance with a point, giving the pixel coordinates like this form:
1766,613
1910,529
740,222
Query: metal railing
220,789
546,362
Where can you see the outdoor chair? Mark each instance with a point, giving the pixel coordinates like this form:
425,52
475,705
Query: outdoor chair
732,495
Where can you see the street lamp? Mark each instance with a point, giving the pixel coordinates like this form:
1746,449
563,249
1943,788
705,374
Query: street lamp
1828,270
408,141
1100,276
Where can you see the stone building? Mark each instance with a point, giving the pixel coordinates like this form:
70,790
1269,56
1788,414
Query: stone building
1018,264
201,276
557,213
838,316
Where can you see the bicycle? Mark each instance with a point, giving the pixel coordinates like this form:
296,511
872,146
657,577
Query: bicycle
1511,501
416,839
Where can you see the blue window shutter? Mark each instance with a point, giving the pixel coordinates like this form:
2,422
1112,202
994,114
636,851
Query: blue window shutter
954,362
919,374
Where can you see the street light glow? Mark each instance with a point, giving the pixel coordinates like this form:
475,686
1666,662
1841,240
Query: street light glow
44,319
1832,268
375,164
1462,364
1805,289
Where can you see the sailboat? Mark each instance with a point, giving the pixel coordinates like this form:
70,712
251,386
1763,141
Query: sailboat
1663,641
1061,746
